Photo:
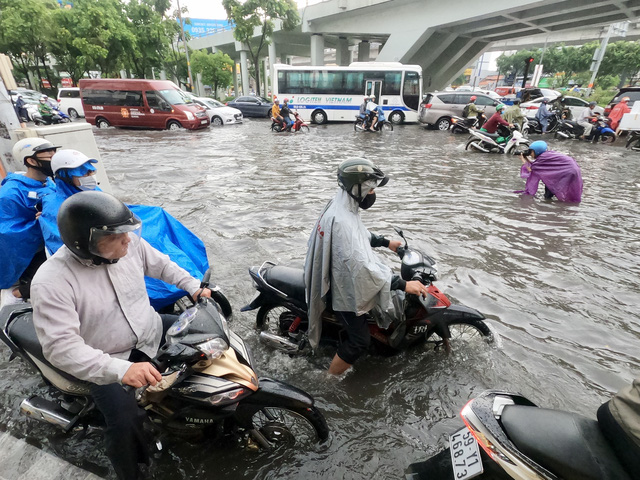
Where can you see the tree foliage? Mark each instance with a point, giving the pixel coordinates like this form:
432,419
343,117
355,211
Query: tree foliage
250,15
216,69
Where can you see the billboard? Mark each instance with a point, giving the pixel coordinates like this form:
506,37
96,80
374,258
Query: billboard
200,27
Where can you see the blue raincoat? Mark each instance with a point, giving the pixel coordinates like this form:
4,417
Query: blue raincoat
20,235
159,228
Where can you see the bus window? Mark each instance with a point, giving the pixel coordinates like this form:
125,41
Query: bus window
411,90
391,84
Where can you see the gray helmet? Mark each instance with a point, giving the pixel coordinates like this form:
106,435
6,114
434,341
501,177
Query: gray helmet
356,171
593,104
87,217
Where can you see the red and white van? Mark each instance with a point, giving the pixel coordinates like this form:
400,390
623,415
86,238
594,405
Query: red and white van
137,103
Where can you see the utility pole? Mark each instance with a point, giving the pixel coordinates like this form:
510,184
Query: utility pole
619,29
184,44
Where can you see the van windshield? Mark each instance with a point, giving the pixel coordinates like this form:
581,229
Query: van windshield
175,96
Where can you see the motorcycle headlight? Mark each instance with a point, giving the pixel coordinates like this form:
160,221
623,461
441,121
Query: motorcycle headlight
229,396
179,327
189,115
213,348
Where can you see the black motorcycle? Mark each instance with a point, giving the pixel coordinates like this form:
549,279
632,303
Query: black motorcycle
363,124
209,387
506,436
534,126
463,125
283,323
633,140
601,131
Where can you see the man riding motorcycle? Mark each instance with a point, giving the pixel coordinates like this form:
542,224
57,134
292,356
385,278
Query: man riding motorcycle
491,125
341,270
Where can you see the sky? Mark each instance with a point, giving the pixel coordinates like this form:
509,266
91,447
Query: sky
209,9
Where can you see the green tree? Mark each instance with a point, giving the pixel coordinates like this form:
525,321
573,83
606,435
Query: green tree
515,63
620,58
26,27
216,68
250,15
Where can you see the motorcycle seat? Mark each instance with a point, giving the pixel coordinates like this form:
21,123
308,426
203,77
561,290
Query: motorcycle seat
491,135
288,280
568,445
23,333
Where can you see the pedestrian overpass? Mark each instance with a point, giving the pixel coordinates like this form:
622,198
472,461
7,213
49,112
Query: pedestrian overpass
442,37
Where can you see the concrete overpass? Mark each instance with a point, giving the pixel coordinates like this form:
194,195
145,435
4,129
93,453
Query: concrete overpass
442,37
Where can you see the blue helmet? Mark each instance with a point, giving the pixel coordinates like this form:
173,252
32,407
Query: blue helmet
538,147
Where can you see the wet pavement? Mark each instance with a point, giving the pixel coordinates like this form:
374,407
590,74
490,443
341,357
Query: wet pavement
558,282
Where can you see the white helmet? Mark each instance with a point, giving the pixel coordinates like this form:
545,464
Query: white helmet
372,98
28,147
69,158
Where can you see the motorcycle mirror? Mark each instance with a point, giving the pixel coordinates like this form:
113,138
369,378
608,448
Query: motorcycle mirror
401,233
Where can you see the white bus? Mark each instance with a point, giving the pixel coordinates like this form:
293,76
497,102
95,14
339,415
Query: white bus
327,93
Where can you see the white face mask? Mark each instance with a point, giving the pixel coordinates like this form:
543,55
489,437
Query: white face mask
88,183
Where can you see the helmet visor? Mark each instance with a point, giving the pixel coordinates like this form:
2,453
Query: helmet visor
112,242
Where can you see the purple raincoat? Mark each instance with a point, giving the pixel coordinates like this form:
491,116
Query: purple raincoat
560,173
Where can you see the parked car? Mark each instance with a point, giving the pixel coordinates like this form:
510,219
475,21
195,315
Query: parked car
632,92
138,103
69,102
575,104
531,93
436,109
219,113
252,106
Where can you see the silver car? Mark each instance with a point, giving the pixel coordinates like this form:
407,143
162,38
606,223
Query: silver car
436,109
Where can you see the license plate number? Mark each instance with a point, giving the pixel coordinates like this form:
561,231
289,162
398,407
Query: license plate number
465,455
204,121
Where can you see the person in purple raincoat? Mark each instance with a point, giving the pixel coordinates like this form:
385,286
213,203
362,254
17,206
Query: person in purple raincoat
560,173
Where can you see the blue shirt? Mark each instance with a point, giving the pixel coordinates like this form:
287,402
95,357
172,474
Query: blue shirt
20,235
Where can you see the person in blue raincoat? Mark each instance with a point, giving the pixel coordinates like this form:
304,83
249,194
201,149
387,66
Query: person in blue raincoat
75,172
21,194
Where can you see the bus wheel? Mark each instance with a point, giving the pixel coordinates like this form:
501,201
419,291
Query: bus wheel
173,125
102,123
319,117
396,117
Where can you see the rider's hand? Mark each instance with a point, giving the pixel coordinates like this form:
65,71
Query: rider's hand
394,244
202,292
141,374
416,288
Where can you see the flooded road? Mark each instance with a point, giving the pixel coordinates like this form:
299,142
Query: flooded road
560,283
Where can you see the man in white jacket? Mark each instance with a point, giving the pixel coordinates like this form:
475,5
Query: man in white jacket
93,317
341,270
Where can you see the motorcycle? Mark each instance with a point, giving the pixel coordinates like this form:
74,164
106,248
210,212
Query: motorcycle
363,124
463,125
56,118
601,130
503,141
209,386
534,125
521,441
298,125
633,140
283,323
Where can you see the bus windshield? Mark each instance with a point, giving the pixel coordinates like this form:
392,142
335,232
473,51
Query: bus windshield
175,96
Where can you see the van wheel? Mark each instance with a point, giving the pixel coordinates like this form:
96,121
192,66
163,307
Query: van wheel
396,117
102,123
173,125
73,114
319,117
443,124
216,121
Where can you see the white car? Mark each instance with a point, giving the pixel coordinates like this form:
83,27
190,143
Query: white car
219,113
575,104
70,102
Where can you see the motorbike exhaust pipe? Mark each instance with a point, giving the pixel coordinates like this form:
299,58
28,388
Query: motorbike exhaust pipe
562,134
46,411
281,343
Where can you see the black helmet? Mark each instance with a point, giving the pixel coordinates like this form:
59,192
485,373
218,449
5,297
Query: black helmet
87,217
516,101
356,171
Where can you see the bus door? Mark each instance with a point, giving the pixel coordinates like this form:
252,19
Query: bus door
374,87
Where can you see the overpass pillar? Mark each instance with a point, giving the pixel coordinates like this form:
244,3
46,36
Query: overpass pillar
363,51
272,61
343,55
244,72
317,49
235,78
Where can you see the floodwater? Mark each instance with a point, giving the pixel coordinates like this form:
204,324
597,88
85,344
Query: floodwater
558,282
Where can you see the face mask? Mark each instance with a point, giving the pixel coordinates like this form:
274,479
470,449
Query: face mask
43,166
88,183
368,201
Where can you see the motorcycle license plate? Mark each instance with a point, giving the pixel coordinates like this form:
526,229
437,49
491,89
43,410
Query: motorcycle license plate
465,455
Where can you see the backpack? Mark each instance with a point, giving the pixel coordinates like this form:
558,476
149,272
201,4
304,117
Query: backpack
465,111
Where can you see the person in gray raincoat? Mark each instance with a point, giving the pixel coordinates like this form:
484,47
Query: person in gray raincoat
341,270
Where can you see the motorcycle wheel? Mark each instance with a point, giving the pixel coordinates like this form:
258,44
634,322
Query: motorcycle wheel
276,128
475,144
304,129
608,137
358,126
65,120
457,129
280,426
634,144
463,331
387,127
274,319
